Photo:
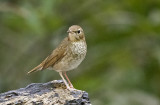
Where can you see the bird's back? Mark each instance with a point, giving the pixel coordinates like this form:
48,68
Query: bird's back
54,57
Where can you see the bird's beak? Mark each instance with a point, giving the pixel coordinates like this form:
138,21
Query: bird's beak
68,31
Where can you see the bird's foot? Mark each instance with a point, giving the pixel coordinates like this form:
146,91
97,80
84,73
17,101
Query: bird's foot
71,86
71,89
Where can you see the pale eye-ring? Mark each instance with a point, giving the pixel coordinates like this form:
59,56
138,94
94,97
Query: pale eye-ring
79,31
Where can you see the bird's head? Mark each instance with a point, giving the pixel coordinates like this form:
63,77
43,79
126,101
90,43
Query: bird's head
75,33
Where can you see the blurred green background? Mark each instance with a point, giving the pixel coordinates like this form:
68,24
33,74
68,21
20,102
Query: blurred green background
122,66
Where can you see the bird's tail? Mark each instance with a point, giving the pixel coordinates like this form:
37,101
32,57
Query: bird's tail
37,68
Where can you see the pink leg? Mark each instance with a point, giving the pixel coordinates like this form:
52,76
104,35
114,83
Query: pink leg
70,84
60,73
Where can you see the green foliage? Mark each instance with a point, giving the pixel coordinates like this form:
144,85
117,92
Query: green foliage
122,63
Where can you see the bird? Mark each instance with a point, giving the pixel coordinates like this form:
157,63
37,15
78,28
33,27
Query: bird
67,56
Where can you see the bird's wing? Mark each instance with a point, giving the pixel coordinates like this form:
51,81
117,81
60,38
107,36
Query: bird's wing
56,55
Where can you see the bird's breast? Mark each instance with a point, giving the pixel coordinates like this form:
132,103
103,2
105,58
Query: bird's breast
78,48
75,54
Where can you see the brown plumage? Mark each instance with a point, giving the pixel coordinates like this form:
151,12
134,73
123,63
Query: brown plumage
53,58
68,55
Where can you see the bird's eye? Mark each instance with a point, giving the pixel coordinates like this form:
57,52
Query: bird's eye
78,31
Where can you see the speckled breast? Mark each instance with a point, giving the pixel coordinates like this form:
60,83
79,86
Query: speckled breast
74,56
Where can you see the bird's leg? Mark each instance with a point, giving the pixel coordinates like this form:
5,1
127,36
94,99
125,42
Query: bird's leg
60,73
70,84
